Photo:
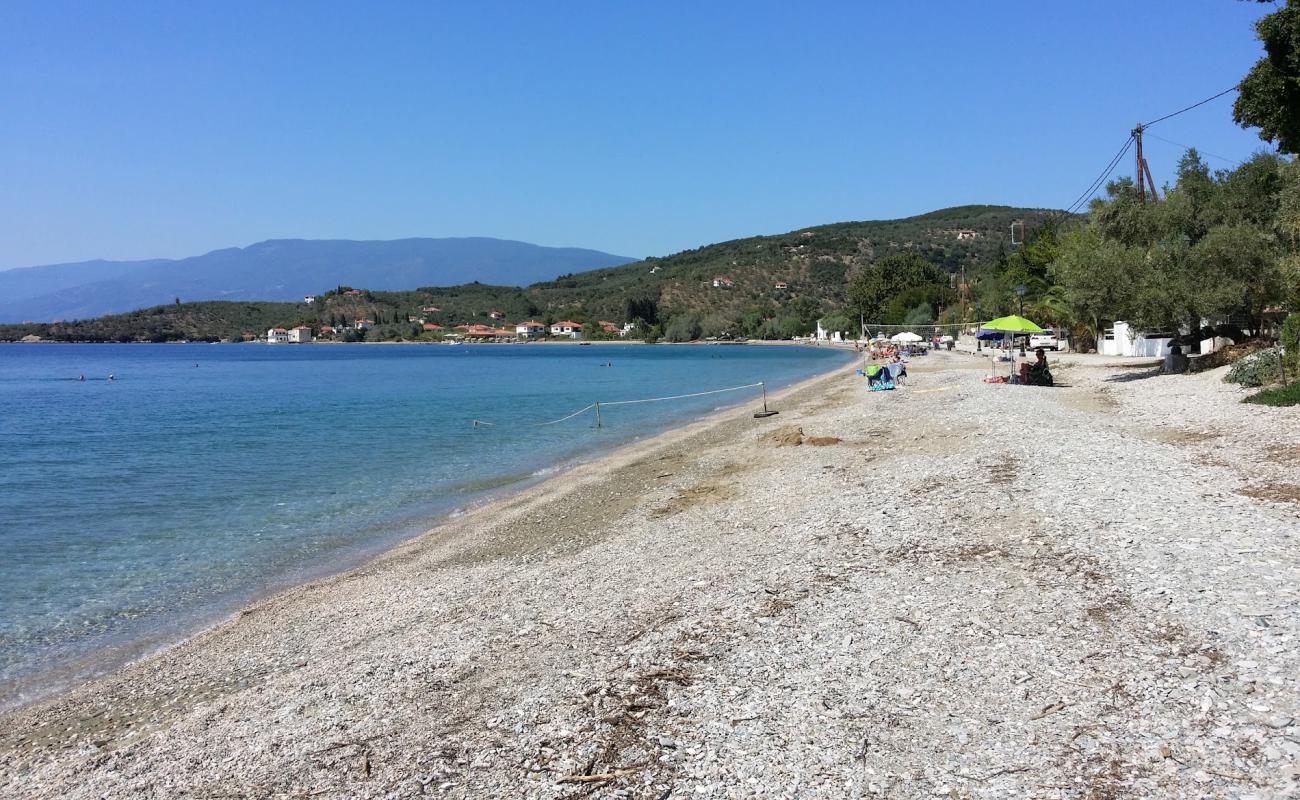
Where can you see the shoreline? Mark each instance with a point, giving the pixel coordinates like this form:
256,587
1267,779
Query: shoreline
86,668
871,594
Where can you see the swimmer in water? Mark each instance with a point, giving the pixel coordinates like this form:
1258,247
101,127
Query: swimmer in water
81,377
110,376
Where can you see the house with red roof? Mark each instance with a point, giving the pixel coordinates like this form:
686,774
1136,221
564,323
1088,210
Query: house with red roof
568,328
429,326
530,330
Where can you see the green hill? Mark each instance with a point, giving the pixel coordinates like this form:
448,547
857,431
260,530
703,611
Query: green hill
790,279
814,262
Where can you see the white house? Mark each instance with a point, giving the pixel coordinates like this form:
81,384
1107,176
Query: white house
309,298
363,324
723,282
628,327
572,330
277,335
497,314
823,335
1122,340
530,330
300,334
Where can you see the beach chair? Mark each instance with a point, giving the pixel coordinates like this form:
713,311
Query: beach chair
879,378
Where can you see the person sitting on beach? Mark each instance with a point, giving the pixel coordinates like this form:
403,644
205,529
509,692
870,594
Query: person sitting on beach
1175,361
1037,373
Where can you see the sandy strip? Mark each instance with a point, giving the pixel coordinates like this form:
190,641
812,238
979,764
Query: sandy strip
976,591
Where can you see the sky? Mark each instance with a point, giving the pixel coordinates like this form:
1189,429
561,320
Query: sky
142,130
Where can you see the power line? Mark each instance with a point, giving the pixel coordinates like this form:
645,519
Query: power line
1232,161
1189,108
1092,187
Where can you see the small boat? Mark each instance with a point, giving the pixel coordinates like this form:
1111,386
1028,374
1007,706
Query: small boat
584,344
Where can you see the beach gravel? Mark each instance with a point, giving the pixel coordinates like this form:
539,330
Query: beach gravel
967,591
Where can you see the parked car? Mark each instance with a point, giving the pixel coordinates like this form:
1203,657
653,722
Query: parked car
1046,340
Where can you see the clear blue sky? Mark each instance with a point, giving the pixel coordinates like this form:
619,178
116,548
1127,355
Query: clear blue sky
135,129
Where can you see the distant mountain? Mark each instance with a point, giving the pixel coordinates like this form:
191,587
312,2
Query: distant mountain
283,270
761,287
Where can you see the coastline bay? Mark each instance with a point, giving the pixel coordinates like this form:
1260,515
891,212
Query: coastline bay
138,510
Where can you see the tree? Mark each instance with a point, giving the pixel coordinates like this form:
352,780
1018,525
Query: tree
1270,92
645,309
683,328
875,285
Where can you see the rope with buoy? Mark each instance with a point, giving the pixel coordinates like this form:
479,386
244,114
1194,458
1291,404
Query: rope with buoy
597,405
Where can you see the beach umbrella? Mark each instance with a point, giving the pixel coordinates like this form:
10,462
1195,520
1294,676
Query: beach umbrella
1012,324
905,336
1005,328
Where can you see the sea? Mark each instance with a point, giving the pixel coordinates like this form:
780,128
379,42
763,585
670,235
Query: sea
136,510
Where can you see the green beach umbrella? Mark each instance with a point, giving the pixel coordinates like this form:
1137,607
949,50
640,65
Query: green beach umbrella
1011,324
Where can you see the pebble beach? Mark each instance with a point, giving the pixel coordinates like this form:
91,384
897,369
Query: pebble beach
952,590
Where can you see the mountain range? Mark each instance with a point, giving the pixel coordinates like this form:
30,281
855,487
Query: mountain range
282,270
761,286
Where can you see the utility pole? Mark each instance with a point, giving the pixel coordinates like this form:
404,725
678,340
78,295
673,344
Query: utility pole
1144,179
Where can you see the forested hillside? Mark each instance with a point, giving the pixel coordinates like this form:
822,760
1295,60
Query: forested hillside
764,286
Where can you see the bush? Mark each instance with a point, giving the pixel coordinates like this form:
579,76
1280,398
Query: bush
1288,395
1256,369
1290,340
683,328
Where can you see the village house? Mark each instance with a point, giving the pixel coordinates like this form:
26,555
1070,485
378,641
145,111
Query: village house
300,334
628,327
530,330
965,233
782,285
430,327
309,298
573,330
609,327
486,332
276,335
363,324
430,309
497,314
327,330
353,293
723,282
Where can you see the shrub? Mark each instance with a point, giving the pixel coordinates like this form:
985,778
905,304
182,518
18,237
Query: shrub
1290,340
1256,369
1288,395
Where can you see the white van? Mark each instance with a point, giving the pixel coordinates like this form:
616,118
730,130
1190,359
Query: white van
1046,340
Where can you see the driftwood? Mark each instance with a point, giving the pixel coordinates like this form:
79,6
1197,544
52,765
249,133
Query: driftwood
601,777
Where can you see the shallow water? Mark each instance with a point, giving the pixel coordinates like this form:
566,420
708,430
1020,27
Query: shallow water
204,475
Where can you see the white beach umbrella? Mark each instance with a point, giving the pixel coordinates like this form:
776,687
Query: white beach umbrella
905,337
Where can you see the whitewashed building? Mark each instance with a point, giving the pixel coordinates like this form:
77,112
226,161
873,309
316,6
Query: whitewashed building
573,330
530,330
300,334
1122,340
277,335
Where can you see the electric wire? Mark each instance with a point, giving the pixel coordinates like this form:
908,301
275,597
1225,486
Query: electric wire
1189,108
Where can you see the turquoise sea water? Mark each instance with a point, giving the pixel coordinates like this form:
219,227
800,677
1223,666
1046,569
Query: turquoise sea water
136,509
